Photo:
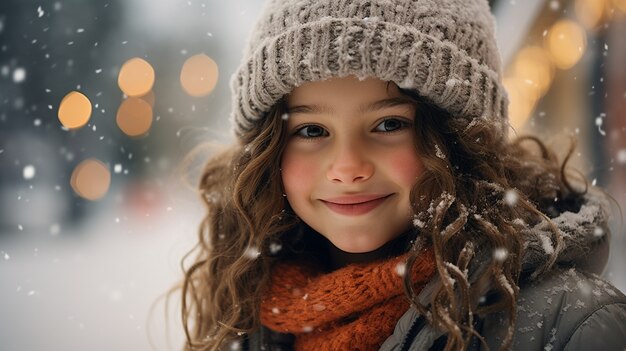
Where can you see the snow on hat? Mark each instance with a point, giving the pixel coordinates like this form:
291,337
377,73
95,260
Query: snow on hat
445,50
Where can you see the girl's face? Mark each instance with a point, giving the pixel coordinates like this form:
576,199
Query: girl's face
350,162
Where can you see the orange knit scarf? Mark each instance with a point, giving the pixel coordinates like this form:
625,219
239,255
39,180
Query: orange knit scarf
352,308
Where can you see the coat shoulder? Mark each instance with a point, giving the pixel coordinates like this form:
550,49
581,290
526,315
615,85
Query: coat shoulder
561,311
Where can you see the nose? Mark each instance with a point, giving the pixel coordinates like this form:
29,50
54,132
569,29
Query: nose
349,164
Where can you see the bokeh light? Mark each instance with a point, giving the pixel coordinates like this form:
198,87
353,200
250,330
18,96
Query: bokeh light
533,66
590,12
566,42
134,117
199,75
136,77
91,179
74,110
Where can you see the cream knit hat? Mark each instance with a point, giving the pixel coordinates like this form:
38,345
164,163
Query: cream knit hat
445,50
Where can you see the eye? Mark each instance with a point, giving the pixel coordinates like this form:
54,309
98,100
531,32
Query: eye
311,131
391,125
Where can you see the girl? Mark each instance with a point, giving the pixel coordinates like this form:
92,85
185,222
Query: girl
374,201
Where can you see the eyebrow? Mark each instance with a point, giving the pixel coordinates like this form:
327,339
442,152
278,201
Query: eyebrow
374,106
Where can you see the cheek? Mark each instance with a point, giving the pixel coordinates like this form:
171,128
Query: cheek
297,172
406,165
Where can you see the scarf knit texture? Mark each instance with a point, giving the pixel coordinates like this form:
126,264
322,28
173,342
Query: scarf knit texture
353,308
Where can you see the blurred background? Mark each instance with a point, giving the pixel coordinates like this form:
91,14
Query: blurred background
103,103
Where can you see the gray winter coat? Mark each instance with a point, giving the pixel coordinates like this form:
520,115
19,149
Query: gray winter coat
568,308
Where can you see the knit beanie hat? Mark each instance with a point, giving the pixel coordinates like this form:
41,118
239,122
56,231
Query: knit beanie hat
445,50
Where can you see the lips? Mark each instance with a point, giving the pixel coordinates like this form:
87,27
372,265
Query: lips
355,205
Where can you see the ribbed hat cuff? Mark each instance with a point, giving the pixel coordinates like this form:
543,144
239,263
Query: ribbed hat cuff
333,47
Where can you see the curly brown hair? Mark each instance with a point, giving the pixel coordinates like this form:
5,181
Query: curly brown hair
459,205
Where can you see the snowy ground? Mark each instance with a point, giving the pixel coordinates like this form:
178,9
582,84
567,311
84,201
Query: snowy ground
94,292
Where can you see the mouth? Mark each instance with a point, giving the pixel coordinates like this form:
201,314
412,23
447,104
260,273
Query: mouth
355,205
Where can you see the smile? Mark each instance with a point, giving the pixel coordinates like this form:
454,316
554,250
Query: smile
355,205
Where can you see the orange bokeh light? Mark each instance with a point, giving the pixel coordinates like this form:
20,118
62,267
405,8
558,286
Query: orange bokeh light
74,110
534,67
91,179
566,43
199,75
136,77
134,117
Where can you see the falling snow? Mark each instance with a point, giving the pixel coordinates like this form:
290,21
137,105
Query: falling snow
252,253
28,172
511,197
19,75
599,121
40,12
418,223
452,82
235,345
584,287
275,248
621,156
439,153
500,254
55,229
598,232
555,5
401,269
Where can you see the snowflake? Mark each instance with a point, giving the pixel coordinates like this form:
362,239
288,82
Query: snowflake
500,254
554,5
252,253
29,172
511,197
401,269
19,74
275,248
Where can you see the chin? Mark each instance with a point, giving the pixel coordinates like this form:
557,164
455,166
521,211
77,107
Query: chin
357,246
